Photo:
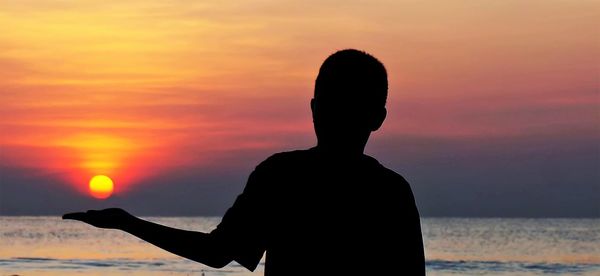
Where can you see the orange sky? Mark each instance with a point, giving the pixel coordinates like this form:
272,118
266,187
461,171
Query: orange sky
135,88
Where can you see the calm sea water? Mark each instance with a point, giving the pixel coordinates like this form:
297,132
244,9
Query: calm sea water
454,246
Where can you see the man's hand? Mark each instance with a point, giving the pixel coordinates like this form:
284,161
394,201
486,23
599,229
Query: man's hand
196,246
112,218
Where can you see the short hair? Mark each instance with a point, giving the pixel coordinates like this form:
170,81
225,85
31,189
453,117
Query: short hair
353,73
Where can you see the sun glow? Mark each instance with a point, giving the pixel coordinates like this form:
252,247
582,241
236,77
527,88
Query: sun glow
101,186
104,154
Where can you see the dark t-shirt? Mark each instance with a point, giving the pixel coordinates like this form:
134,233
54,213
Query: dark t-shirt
317,214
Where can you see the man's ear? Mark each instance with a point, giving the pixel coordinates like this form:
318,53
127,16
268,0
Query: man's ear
378,119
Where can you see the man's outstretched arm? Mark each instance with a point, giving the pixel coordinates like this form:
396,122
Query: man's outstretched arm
196,246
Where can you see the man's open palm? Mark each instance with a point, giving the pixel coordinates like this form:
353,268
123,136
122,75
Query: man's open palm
114,218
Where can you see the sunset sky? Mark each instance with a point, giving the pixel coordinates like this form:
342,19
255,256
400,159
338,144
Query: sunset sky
494,106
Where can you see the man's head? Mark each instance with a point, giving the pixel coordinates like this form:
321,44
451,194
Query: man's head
349,101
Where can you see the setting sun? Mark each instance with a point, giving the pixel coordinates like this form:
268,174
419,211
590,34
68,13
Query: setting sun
101,186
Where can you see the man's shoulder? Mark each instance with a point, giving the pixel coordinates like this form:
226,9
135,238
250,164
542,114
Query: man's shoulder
390,178
284,158
391,174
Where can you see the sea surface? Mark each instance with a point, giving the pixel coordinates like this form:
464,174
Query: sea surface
454,246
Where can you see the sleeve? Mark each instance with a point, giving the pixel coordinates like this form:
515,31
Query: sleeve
416,237
241,233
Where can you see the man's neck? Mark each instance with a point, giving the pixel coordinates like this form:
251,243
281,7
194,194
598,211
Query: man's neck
340,151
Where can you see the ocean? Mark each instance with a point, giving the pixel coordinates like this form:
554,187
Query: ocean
453,246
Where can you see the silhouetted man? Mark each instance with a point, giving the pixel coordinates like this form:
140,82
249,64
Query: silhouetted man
328,210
